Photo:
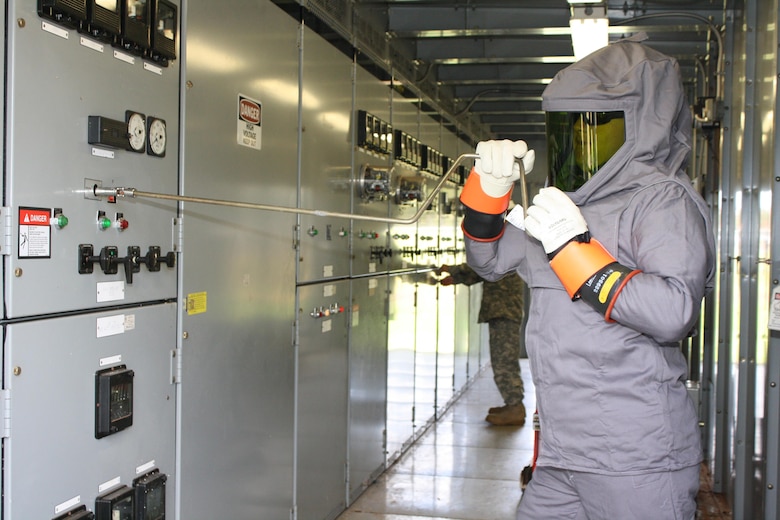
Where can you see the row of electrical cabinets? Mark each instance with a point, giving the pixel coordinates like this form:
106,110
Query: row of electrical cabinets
381,369
334,247
378,136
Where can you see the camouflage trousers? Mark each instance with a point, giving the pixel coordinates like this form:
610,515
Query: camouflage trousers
504,356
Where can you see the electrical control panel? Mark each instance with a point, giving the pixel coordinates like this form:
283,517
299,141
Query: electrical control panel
113,400
373,183
112,112
113,411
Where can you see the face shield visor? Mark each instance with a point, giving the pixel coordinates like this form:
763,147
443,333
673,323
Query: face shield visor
579,143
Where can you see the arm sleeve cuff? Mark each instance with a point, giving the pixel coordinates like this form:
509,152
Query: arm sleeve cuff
482,227
602,289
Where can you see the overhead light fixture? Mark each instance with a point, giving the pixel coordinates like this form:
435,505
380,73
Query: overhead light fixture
589,27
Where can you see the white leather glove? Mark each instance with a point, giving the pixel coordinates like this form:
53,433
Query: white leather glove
554,219
497,164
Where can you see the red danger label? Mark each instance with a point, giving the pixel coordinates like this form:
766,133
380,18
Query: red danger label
33,217
249,111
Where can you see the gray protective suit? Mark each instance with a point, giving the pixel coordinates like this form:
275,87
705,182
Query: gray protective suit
611,396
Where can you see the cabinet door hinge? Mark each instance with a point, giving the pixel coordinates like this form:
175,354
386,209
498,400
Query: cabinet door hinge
178,234
176,366
5,396
5,222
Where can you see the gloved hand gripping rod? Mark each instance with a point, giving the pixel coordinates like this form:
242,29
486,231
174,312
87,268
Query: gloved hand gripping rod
134,193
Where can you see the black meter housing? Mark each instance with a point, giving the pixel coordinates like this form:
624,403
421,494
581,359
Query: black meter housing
117,504
68,13
150,496
113,400
163,32
104,20
136,26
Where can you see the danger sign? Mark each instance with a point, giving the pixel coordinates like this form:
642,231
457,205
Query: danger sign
34,233
249,131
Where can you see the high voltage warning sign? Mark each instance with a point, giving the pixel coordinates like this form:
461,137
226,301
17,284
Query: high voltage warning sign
250,122
34,233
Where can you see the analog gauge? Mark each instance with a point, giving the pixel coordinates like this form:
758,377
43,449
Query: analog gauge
157,136
136,131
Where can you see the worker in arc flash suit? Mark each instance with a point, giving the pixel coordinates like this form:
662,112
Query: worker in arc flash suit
617,272
502,308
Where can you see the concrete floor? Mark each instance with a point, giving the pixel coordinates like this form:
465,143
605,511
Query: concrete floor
463,468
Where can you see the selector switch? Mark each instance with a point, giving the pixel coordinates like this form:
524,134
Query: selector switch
379,253
131,266
108,259
154,258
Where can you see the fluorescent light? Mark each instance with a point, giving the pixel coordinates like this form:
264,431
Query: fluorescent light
589,30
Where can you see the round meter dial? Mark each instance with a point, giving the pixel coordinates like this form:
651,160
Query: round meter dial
157,136
136,131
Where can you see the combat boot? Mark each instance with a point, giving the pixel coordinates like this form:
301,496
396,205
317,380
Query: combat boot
497,409
509,416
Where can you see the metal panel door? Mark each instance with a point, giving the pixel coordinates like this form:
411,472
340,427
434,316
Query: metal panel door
326,159
400,363
238,357
322,400
425,345
462,326
52,458
372,176
57,78
476,333
445,352
367,382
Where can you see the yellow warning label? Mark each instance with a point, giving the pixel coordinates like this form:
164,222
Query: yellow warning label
196,303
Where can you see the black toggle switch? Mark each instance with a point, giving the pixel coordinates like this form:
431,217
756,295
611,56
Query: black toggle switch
154,258
109,260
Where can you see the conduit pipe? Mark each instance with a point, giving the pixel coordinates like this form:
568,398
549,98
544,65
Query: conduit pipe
98,191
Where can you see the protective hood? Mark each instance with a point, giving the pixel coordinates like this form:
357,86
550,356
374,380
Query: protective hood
643,83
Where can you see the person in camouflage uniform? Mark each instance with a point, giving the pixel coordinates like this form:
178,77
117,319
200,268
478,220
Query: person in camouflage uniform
502,309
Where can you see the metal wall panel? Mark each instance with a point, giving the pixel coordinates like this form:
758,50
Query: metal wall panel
56,79
371,252
400,363
322,401
403,237
476,333
238,359
403,240
52,457
368,319
461,347
326,159
425,347
446,340
367,382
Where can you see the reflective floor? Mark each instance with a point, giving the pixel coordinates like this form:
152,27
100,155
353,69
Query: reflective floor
463,468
